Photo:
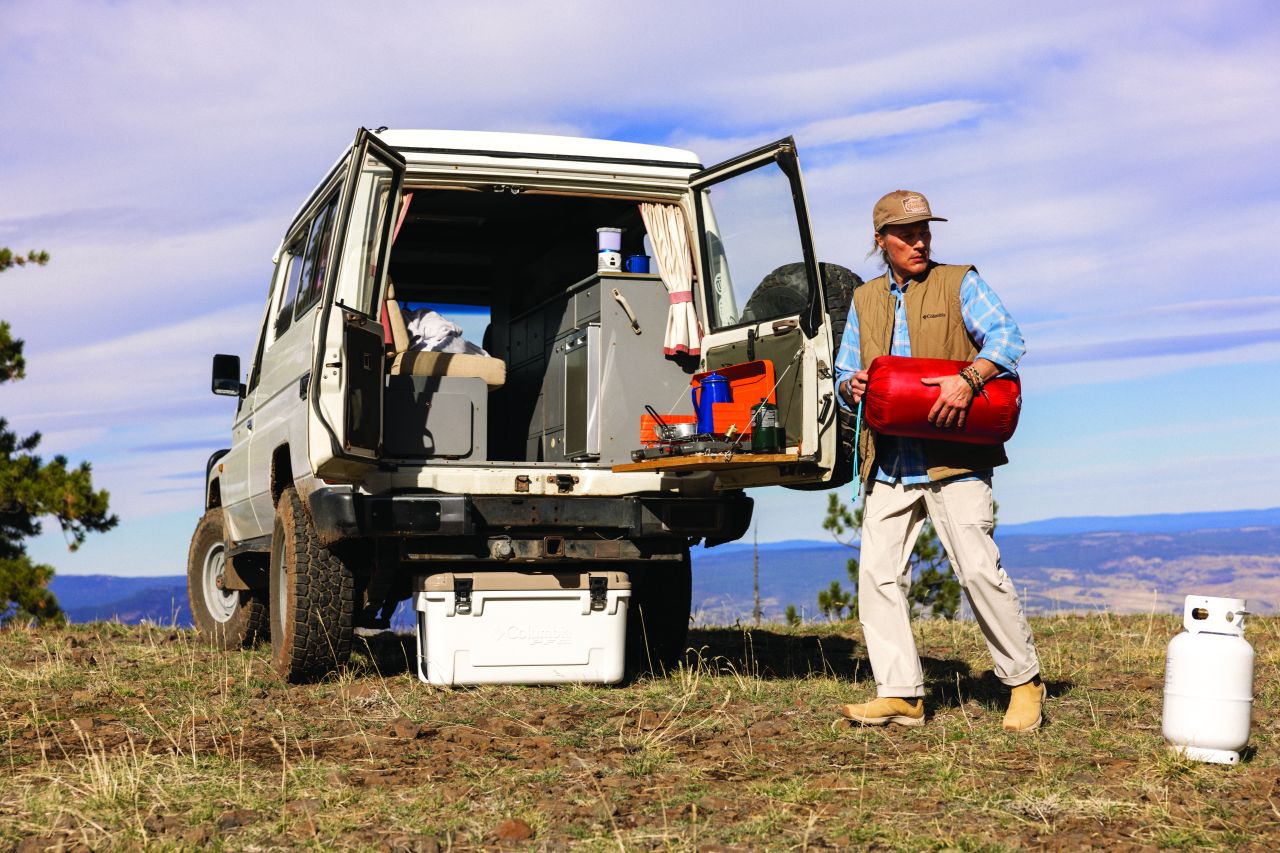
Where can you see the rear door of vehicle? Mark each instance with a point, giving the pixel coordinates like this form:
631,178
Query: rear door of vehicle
763,296
348,372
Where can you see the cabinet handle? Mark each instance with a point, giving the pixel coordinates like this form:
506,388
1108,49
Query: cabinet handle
626,307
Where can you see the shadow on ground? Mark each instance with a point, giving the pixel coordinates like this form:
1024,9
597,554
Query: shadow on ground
949,683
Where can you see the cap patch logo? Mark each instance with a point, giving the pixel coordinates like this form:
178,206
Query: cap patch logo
915,204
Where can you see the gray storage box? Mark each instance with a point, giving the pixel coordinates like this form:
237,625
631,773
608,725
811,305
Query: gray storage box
434,417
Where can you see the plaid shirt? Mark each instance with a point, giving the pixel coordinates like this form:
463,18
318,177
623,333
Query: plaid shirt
988,323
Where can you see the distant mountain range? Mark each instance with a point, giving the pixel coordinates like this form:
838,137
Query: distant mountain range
1121,564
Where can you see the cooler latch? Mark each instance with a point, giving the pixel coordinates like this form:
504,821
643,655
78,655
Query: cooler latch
462,595
599,592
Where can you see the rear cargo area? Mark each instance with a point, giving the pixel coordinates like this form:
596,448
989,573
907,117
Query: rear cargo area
570,356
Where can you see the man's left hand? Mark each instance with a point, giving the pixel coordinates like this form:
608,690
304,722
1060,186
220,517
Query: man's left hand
952,405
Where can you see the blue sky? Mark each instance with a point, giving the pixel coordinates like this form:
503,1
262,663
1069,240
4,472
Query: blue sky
1108,167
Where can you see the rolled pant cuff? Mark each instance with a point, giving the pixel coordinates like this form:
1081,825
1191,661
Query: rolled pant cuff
1021,678
889,691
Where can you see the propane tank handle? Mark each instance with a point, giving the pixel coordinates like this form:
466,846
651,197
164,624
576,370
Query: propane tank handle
1203,614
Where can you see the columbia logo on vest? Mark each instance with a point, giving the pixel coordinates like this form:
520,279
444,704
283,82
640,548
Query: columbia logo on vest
933,316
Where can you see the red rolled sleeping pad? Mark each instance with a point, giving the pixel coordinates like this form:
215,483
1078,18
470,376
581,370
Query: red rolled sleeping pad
898,403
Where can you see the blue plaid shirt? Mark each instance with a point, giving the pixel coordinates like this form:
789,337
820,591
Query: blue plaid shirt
988,323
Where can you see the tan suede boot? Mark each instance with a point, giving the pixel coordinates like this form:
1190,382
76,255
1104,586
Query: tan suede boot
887,709
1026,702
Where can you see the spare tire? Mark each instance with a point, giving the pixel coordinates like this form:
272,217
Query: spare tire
839,283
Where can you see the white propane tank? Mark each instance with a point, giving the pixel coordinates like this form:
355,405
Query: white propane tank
1208,682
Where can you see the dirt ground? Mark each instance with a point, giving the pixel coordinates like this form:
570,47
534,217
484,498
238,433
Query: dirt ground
132,738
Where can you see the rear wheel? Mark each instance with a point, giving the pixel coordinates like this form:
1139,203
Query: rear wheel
658,617
312,598
229,618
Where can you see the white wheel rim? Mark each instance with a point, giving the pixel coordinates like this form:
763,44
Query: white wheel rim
221,603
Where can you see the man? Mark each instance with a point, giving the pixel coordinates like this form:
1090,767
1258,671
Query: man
928,310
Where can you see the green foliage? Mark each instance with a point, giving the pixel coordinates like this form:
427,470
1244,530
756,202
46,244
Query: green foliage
935,589
793,616
9,259
30,489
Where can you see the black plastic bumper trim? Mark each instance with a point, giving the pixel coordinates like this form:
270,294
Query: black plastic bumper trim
338,513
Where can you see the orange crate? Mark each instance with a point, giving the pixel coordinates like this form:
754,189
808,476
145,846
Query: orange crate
749,383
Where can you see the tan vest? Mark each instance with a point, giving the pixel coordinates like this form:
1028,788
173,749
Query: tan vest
936,328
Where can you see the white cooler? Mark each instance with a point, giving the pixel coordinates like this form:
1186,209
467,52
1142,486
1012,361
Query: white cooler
521,627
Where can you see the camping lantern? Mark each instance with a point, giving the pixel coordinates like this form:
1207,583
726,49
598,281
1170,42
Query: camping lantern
1208,682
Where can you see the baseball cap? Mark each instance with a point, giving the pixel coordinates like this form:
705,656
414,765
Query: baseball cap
902,207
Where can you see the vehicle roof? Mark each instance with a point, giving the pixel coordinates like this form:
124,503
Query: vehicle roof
527,150
537,145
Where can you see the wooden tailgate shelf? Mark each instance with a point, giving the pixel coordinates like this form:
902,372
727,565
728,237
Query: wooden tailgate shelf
709,462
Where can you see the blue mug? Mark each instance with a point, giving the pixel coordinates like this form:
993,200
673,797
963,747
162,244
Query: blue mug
636,263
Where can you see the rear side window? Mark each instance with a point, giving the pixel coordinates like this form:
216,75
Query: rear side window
292,257
317,258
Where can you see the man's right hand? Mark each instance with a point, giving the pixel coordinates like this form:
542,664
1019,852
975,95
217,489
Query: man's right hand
854,387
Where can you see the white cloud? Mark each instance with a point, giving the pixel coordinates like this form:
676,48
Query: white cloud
1109,167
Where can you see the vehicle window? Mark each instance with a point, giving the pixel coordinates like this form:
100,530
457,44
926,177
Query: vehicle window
317,258
754,256
370,207
291,260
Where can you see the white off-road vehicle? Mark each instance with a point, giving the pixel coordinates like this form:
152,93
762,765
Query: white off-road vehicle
363,459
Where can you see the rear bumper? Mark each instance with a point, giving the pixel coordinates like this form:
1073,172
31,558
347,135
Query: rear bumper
338,513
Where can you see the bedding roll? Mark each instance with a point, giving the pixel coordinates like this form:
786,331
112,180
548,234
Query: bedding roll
897,403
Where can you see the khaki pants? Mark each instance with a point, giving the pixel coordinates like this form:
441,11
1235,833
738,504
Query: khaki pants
961,512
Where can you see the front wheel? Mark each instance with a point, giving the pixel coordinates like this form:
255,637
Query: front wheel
229,618
312,598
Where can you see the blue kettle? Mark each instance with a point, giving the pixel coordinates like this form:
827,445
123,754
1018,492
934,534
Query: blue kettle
715,389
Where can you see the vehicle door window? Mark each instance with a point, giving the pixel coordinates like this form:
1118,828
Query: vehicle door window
316,261
291,260
755,257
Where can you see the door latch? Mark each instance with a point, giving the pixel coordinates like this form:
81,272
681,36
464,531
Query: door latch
462,595
599,592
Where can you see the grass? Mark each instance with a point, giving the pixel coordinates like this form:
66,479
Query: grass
119,737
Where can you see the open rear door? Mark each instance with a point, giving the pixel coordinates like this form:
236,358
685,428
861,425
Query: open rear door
345,395
762,290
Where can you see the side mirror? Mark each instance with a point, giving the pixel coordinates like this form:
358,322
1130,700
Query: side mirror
226,376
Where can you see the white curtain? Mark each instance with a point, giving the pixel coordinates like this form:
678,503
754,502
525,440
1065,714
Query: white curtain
665,224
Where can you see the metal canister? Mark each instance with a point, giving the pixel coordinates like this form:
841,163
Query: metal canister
764,427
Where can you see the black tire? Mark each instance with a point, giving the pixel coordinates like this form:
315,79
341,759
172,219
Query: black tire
840,284
658,617
229,619
312,598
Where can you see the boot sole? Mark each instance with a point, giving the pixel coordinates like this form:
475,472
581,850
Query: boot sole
1030,728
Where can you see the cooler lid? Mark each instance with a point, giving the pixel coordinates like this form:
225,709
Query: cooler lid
531,580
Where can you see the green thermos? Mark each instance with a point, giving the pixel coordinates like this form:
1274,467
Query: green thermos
764,428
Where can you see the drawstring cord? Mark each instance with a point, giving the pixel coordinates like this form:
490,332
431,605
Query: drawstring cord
857,435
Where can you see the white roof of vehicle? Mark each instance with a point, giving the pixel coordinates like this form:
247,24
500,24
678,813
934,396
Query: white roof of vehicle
537,146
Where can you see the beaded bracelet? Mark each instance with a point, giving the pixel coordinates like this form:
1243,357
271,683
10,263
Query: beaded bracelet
974,375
